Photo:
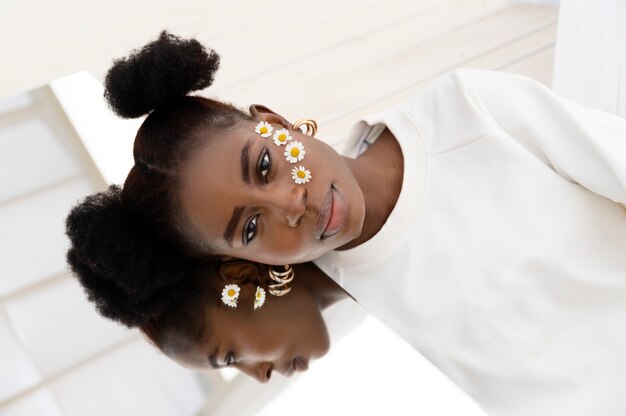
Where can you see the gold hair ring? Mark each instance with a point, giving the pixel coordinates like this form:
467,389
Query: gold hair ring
309,124
282,279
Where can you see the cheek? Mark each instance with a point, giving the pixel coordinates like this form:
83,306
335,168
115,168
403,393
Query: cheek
323,338
262,338
293,250
309,330
290,249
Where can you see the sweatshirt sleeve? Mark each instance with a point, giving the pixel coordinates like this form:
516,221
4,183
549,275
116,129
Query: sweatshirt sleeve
584,145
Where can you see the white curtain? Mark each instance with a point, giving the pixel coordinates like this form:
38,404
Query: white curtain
590,57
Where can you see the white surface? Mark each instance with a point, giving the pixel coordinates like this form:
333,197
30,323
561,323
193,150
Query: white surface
38,403
33,243
372,372
553,3
107,138
57,356
60,334
18,372
30,157
134,380
590,57
15,103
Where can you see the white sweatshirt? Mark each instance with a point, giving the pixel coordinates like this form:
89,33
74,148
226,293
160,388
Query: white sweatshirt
504,259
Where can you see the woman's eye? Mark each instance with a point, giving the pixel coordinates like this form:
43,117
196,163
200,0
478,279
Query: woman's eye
250,230
230,359
265,163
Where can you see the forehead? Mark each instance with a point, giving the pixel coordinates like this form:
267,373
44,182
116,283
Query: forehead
212,173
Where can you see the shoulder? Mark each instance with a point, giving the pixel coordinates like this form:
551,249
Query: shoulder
449,111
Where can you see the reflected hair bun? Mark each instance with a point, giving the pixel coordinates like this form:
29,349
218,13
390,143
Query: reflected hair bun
126,271
160,72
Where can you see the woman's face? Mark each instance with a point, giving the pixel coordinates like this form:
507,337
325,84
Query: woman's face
239,195
283,335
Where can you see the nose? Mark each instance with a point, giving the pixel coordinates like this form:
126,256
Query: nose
291,204
262,372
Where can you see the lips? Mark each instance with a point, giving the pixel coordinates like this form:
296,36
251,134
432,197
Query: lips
333,214
299,365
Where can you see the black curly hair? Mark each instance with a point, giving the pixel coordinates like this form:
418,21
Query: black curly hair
157,79
138,281
183,323
126,271
129,246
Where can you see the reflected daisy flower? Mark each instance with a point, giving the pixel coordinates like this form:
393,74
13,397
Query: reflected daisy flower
264,128
300,175
230,294
281,137
294,152
259,297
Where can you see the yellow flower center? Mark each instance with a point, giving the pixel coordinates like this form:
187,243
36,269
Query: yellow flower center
263,130
231,292
282,137
295,152
301,174
258,295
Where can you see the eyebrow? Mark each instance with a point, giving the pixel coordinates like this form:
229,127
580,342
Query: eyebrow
245,162
232,224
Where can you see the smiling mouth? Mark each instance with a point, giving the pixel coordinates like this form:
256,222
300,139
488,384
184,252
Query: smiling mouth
333,214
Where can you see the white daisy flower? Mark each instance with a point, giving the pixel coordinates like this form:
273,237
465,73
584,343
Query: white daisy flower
282,136
230,294
294,152
264,129
300,175
259,297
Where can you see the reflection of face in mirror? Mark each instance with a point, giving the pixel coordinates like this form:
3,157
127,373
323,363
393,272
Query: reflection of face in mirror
283,335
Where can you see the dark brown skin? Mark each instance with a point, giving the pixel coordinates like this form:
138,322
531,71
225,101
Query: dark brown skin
283,335
282,217
379,174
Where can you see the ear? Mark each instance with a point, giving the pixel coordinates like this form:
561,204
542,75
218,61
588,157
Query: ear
262,113
241,272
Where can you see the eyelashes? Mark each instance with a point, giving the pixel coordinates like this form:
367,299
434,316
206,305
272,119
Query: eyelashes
230,359
249,229
264,165
264,169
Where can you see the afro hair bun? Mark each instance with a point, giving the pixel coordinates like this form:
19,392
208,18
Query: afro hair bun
163,70
129,274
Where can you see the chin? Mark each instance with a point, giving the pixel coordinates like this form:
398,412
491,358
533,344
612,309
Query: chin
324,347
354,227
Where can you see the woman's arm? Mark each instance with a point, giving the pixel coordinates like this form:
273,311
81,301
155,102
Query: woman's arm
583,145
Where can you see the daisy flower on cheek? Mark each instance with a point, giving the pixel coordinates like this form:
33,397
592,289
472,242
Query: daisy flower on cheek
259,297
230,294
300,175
264,129
281,137
294,152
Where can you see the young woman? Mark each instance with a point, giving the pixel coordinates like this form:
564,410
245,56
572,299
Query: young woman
481,220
